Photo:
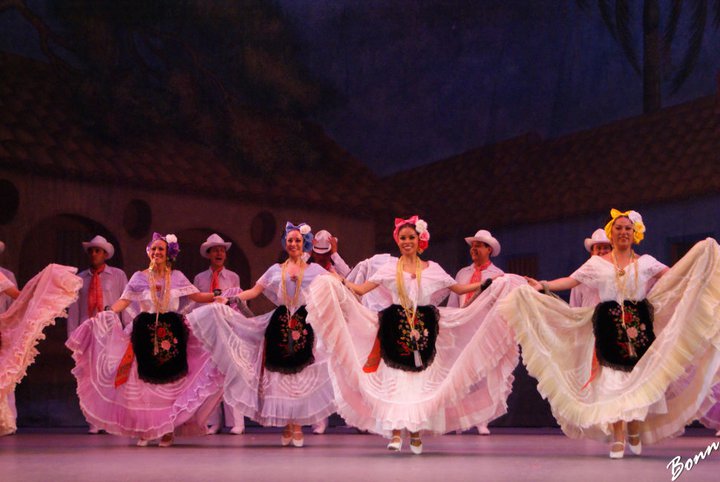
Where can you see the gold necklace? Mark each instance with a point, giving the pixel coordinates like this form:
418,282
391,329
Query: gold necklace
620,283
409,308
160,307
620,280
291,304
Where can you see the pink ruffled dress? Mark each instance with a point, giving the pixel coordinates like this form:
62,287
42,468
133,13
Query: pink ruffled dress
137,408
467,382
44,298
237,345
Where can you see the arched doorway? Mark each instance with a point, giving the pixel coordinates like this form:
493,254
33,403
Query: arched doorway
58,240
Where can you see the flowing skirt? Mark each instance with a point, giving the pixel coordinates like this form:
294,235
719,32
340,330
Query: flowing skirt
43,299
667,388
467,383
137,408
271,398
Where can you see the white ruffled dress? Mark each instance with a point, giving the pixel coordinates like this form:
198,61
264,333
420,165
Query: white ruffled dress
467,383
236,343
137,408
670,384
44,298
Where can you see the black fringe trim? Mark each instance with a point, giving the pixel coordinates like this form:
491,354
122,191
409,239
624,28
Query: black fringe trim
394,348
159,369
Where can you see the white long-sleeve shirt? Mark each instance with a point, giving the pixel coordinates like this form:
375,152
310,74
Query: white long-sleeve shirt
113,282
463,277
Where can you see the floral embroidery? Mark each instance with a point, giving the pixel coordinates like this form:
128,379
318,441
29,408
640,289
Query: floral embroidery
412,339
167,343
293,333
633,332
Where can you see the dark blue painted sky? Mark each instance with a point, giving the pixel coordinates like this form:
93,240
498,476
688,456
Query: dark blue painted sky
421,80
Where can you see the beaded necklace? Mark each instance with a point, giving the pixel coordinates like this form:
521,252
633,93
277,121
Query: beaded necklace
410,308
620,283
291,304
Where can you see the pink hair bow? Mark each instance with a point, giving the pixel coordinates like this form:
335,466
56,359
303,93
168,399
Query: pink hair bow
420,227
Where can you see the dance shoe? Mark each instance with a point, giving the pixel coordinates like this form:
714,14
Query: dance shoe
617,454
636,448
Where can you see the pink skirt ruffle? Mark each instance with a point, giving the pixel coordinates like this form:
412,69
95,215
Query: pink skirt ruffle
466,385
711,411
275,399
137,408
43,299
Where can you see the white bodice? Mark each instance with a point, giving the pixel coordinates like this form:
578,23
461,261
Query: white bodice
599,274
138,290
271,281
432,279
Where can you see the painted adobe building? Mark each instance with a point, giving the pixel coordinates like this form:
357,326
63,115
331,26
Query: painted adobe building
60,184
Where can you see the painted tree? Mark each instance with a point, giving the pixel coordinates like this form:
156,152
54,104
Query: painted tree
225,74
655,64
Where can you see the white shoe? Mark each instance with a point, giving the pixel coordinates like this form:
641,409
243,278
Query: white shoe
416,445
93,430
320,427
213,429
717,434
167,440
142,442
395,443
238,430
637,448
298,442
286,436
617,454
483,430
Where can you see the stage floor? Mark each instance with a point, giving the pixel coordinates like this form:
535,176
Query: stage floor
344,456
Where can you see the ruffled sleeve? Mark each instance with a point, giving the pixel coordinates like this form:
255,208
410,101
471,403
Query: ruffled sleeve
181,286
5,283
439,277
270,281
587,274
266,280
385,275
652,266
136,286
436,281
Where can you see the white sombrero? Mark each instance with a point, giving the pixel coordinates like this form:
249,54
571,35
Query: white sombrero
212,241
321,243
102,243
598,237
484,236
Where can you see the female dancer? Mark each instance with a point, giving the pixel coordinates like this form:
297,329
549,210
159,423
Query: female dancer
274,372
644,340
431,369
44,298
153,378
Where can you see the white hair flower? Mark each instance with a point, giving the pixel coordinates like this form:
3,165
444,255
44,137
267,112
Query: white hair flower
171,238
304,229
421,226
637,221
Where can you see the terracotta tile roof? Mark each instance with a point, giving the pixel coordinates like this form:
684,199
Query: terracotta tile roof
671,155
42,132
